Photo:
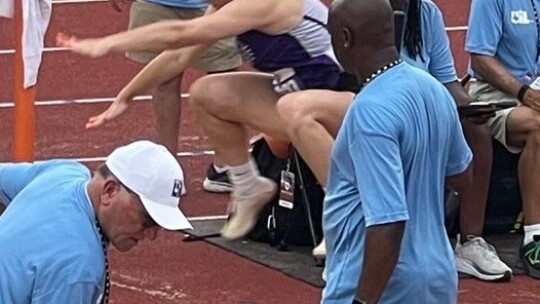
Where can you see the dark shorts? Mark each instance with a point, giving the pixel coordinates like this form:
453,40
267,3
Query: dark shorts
291,80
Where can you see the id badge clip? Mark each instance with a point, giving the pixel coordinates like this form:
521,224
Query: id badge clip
287,186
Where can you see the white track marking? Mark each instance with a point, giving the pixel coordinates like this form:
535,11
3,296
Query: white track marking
76,1
63,49
207,218
171,295
10,104
456,28
180,154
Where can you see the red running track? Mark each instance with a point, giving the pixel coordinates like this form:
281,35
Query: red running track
168,270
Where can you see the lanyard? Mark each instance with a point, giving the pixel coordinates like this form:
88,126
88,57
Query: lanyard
535,11
106,291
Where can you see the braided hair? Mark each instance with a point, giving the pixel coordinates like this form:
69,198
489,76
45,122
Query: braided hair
413,30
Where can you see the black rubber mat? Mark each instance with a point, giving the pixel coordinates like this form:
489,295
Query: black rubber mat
297,262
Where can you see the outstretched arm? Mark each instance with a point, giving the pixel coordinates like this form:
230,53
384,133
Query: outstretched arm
233,19
164,67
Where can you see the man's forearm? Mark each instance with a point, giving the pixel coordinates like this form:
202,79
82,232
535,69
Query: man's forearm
495,74
382,247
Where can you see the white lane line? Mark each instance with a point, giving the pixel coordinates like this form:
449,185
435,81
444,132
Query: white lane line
456,28
179,154
9,104
171,295
208,218
45,50
103,158
76,1
63,49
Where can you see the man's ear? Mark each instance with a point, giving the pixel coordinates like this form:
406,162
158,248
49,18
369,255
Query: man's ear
110,189
347,38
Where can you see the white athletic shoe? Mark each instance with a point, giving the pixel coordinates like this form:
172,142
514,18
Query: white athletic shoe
319,252
479,259
246,209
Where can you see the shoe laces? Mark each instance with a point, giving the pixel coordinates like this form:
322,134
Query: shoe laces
488,251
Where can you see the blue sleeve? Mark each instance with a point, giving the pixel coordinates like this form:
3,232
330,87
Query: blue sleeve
13,178
460,155
73,293
376,158
485,27
441,65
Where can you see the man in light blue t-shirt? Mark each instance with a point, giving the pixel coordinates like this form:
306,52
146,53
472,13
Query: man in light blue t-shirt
316,117
401,141
504,43
59,221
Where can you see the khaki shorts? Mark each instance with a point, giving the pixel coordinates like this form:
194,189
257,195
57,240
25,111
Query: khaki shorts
221,56
482,91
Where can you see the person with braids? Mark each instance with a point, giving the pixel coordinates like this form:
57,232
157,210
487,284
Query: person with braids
59,221
315,116
400,143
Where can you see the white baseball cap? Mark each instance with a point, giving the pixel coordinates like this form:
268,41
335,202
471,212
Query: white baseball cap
152,172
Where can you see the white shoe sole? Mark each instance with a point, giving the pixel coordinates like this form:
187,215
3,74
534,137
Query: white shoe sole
246,213
464,266
216,187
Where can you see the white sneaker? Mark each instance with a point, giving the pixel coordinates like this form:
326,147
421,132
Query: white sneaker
246,209
319,252
479,259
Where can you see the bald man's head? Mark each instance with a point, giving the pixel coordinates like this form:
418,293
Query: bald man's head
360,28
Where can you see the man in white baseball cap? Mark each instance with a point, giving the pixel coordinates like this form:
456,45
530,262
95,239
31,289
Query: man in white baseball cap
59,220
152,173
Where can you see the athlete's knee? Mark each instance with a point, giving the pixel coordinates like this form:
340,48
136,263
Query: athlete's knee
211,94
295,108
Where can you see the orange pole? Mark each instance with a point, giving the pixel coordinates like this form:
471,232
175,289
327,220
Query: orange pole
24,112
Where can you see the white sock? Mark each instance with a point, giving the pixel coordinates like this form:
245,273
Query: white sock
220,169
530,232
244,177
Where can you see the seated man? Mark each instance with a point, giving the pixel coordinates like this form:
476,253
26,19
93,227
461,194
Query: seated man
284,39
315,117
503,43
400,141
59,221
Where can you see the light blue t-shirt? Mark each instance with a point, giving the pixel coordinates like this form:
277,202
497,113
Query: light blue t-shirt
505,30
50,250
400,139
181,3
436,52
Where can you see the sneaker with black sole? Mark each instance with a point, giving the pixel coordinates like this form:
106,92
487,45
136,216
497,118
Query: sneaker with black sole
477,258
530,254
217,182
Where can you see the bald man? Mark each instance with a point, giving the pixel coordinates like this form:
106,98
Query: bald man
400,143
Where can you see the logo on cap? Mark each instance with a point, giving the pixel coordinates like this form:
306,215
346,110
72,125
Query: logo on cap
177,188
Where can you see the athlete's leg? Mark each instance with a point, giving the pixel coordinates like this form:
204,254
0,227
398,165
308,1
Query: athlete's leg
313,121
225,104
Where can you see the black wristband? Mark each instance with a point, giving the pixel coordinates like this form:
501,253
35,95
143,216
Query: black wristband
521,94
355,301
